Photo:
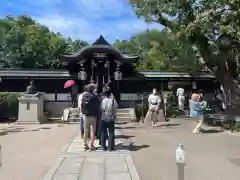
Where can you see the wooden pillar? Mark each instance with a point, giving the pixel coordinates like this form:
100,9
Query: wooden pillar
118,98
55,93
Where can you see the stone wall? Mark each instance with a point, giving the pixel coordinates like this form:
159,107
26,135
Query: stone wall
56,107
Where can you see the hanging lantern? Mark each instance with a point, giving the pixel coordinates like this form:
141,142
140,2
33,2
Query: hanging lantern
170,84
194,85
106,65
118,75
82,75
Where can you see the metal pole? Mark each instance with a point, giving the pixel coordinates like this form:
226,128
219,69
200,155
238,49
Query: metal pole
142,112
165,109
109,72
180,161
92,71
180,172
0,155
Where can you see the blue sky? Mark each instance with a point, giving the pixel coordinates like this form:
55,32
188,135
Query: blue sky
80,19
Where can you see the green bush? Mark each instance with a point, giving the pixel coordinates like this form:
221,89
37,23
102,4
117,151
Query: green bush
167,95
9,105
46,112
139,108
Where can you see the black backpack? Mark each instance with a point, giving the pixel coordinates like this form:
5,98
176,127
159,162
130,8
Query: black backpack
90,104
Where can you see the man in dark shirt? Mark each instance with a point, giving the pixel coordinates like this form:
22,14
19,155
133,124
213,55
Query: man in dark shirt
90,110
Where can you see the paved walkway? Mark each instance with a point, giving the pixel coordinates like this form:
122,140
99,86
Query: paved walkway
30,150
74,163
213,155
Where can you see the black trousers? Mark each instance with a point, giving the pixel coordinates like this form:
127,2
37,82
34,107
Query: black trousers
108,131
74,100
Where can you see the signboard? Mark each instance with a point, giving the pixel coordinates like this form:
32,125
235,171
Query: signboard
100,55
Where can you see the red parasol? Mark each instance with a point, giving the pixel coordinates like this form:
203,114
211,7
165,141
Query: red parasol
69,83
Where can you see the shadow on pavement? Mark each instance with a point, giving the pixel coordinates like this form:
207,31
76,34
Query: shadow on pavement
235,161
7,131
123,137
210,131
131,147
167,125
128,127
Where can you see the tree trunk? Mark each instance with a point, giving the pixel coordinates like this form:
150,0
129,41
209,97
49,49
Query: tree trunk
223,75
231,90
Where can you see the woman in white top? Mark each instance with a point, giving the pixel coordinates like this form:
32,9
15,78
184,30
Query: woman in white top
80,111
154,102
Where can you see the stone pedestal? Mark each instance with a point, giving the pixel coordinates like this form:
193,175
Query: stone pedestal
30,110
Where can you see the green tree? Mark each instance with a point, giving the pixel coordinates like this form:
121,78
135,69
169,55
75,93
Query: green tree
126,46
75,46
24,43
160,50
201,23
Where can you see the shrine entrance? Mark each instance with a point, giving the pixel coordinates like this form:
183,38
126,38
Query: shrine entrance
100,63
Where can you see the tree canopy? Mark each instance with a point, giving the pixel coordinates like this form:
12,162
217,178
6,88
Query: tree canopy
24,43
211,27
159,50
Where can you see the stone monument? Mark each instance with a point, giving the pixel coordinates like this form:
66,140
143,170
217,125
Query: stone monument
31,106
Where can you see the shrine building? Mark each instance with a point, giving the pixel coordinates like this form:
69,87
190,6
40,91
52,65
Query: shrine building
102,63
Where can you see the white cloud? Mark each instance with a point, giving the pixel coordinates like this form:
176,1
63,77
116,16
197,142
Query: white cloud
102,8
85,19
68,26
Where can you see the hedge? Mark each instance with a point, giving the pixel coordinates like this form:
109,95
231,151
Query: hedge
172,106
9,105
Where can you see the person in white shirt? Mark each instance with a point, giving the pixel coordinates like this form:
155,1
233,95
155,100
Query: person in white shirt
80,111
108,117
181,98
154,102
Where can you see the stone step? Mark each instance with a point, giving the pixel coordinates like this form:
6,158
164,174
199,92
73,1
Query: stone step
59,119
124,116
123,119
126,110
123,113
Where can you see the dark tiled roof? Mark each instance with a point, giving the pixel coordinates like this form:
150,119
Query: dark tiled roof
166,74
63,73
101,41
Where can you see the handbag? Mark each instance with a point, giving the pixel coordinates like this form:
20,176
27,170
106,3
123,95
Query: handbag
113,111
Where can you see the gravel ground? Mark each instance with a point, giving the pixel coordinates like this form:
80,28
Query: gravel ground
28,151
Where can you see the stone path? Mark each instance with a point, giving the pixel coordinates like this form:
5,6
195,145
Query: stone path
213,155
74,163
30,150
